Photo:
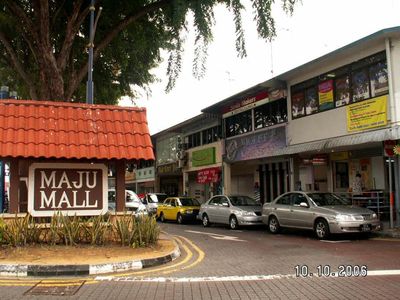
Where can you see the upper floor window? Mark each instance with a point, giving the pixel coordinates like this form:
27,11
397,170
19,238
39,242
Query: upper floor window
238,124
194,140
211,135
364,79
270,114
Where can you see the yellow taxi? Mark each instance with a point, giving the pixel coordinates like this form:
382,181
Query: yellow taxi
179,209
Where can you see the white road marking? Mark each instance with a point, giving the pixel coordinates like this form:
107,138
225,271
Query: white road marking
230,278
218,236
194,279
335,242
383,272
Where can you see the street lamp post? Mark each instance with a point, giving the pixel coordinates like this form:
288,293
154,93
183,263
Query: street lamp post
92,31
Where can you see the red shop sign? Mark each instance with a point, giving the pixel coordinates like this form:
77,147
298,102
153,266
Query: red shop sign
208,175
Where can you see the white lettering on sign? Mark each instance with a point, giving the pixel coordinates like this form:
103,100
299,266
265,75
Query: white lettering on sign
50,183
51,180
69,188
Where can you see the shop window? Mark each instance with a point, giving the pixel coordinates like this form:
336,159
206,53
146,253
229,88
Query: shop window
262,116
342,86
351,83
270,114
311,101
379,79
279,110
325,95
238,124
194,140
211,135
342,175
360,84
298,105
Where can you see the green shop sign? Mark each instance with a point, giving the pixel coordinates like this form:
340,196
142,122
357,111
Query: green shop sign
203,157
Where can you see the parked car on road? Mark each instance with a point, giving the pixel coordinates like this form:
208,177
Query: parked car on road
235,210
179,209
152,200
325,213
132,202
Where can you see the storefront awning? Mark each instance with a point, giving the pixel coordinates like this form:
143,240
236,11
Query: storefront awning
348,140
364,138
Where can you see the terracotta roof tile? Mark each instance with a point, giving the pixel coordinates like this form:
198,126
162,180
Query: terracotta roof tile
73,130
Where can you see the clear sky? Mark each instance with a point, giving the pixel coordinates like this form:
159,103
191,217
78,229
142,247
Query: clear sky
317,27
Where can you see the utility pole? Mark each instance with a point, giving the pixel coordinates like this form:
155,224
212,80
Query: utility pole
92,31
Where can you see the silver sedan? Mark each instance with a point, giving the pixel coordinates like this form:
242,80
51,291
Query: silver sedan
324,213
235,210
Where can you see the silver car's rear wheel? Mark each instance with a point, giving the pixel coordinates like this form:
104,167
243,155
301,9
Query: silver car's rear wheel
321,229
233,223
273,224
206,221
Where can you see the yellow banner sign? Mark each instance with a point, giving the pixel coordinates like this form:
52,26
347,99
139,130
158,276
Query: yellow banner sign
367,114
339,156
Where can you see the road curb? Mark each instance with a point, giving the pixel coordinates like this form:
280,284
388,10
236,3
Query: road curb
17,270
387,233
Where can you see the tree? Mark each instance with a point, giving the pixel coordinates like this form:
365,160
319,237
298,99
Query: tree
43,44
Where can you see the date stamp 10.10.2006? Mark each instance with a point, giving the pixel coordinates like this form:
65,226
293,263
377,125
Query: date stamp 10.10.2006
329,271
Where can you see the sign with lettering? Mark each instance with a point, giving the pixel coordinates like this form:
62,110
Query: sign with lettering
245,104
255,145
72,189
208,175
203,157
367,114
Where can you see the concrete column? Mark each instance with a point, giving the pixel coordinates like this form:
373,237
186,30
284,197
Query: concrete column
185,183
292,176
227,178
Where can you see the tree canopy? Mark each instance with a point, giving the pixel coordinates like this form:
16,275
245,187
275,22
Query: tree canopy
43,43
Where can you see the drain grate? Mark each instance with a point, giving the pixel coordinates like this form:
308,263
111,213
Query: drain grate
56,288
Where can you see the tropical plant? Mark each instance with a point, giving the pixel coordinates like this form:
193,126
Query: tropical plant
70,230
97,229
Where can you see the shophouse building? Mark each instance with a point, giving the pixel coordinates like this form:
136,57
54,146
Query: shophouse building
189,158
316,126
255,130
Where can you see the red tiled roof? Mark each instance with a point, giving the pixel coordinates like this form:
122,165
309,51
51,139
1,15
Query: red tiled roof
73,130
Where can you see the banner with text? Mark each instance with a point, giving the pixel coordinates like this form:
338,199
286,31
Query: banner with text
367,114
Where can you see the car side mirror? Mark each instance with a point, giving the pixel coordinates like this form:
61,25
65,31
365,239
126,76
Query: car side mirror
226,204
303,204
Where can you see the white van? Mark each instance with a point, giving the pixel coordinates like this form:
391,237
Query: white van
132,201
151,200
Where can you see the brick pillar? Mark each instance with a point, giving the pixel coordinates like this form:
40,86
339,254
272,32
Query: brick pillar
120,167
14,186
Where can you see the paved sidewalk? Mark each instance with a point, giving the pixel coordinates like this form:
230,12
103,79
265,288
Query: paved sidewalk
80,264
391,233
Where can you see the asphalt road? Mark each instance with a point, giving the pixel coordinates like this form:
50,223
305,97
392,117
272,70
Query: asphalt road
250,263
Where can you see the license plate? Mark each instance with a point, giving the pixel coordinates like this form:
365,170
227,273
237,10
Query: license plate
365,227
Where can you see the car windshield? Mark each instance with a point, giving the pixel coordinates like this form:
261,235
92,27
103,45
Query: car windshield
189,202
243,201
327,199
